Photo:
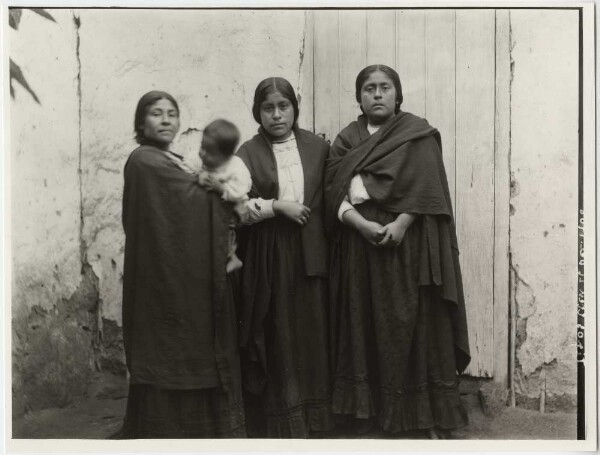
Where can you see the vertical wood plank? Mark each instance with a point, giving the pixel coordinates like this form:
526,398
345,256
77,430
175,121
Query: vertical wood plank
327,71
502,198
307,66
410,59
440,96
475,60
353,58
381,38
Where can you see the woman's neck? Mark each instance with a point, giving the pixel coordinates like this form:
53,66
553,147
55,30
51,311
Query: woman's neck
159,145
282,138
378,123
372,129
288,137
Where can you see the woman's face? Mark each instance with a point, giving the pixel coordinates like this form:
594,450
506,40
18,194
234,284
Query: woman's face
161,123
378,98
277,115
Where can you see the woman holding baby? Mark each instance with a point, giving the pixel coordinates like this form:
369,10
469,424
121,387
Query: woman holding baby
372,331
179,329
178,321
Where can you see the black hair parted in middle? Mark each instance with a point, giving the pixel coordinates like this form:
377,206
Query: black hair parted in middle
272,85
389,72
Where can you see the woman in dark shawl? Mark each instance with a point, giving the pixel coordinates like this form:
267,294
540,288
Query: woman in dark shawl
399,333
284,331
178,317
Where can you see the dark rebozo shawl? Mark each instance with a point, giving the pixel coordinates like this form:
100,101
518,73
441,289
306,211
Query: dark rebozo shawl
403,171
257,154
178,321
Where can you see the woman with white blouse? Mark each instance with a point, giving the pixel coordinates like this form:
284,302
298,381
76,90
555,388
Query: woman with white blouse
284,304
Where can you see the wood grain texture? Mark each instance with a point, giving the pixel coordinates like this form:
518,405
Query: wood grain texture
327,71
381,37
353,58
410,59
440,85
475,90
502,199
447,64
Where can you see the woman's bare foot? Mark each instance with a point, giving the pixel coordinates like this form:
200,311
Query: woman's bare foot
439,433
432,433
233,264
445,434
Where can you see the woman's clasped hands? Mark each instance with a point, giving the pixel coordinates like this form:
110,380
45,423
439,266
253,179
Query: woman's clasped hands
390,235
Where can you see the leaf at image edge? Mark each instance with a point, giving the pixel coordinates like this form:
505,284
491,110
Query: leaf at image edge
14,17
17,74
42,12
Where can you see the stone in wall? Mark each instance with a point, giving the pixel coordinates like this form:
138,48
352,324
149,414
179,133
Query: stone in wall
54,296
543,224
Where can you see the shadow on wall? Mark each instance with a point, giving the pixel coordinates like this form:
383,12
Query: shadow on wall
15,72
58,347
56,352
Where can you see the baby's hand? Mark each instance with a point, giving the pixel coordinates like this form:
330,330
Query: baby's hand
208,181
215,185
204,179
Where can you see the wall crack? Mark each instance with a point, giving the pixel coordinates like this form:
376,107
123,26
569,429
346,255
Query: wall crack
86,268
301,55
82,246
512,358
190,131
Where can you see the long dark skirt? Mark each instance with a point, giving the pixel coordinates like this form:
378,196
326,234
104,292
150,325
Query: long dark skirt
393,347
157,413
297,397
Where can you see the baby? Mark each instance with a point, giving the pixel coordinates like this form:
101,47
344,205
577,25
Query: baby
225,173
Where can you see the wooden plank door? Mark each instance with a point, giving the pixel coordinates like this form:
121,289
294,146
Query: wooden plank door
475,43
447,62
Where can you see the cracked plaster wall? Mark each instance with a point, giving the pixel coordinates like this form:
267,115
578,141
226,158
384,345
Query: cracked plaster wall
89,70
54,297
210,61
543,224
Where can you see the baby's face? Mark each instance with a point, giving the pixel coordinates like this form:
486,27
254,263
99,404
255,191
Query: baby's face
211,159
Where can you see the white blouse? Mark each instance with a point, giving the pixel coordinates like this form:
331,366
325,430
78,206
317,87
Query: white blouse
291,180
357,193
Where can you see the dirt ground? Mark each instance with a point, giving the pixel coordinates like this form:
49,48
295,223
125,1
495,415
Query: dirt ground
100,416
